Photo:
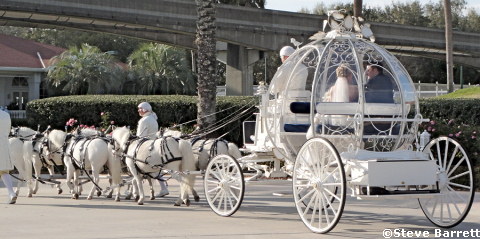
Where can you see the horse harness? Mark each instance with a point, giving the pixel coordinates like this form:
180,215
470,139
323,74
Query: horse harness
166,157
213,149
46,143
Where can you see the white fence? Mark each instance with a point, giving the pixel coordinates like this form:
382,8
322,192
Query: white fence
18,114
424,90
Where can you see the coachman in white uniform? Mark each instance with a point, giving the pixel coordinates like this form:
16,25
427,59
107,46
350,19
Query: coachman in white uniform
5,162
148,127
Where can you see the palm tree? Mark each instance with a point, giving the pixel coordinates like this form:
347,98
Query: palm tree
161,69
206,63
449,44
85,70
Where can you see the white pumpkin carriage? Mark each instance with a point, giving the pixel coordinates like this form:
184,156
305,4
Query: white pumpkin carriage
343,115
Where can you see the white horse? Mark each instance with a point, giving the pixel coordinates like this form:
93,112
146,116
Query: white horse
148,157
206,149
19,135
33,156
87,151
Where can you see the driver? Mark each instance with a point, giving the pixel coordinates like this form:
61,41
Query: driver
148,127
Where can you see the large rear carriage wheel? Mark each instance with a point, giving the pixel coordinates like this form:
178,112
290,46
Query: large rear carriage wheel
319,185
224,185
455,183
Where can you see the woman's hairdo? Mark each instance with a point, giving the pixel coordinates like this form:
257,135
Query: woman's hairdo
342,70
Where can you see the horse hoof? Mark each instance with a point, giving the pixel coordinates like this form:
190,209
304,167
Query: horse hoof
197,198
140,203
187,202
109,196
29,195
128,197
60,191
89,198
137,198
75,196
99,193
176,204
117,199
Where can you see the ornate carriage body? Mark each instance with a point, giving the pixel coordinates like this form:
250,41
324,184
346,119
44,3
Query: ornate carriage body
343,114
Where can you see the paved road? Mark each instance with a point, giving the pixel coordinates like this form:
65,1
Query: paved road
262,215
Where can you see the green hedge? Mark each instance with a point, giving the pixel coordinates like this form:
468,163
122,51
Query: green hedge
466,111
170,109
456,118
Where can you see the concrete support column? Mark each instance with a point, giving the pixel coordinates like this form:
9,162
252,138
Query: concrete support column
240,69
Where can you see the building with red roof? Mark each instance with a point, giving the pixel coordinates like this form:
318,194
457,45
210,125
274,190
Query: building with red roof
23,67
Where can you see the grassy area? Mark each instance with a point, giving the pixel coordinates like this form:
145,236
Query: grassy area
468,93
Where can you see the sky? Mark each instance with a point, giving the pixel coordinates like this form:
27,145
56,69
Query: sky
296,5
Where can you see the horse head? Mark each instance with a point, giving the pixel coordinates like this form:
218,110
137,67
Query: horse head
120,138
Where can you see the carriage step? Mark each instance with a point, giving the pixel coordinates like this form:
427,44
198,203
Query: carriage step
383,191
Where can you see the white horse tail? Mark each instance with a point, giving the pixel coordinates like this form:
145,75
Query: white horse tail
188,162
234,151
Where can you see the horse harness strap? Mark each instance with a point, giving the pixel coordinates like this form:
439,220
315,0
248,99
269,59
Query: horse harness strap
168,156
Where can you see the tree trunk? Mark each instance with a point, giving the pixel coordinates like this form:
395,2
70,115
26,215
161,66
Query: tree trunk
206,63
357,8
449,44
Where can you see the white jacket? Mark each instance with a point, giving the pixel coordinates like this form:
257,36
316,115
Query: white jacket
147,125
5,124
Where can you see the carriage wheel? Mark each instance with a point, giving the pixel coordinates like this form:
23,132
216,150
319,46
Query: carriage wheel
455,182
224,185
319,185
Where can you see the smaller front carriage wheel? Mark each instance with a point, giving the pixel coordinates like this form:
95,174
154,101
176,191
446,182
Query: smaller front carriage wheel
455,183
224,185
319,185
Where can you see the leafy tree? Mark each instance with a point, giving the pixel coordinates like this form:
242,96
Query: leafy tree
86,70
161,69
246,3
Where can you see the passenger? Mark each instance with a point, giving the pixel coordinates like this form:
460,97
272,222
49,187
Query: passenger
148,127
345,88
5,162
379,87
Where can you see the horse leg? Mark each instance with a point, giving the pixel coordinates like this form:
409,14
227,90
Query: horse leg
51,171
128,191
68,180
138,189
195,195
95,180
37,166
152,191
110,193
137,181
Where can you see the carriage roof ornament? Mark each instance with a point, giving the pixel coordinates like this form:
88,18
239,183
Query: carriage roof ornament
343,24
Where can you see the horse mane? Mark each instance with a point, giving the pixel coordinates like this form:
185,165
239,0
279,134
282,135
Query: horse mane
57,137
25,131
171,132
121,134
88,132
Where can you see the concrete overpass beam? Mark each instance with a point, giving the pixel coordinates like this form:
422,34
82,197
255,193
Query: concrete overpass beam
240,69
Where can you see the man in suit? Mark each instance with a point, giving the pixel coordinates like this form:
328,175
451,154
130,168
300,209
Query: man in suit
379,87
